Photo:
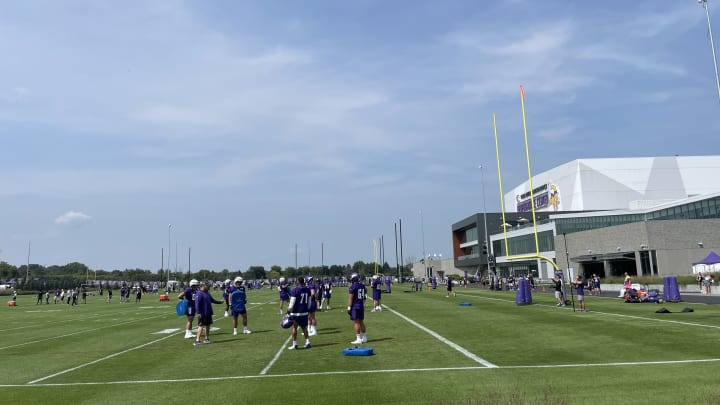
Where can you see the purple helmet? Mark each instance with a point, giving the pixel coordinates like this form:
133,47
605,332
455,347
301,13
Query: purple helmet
354,277
286,322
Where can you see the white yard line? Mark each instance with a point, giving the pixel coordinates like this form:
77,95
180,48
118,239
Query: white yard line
77,333
277,356
356,372
434,334
702,325
99,360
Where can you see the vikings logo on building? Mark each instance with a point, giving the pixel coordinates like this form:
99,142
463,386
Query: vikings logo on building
554,200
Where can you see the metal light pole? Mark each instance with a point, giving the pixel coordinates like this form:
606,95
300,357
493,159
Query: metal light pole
704,4
422,231
489,249
168,267
27,270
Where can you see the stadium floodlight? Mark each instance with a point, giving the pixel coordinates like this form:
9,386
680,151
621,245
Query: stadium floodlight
704,4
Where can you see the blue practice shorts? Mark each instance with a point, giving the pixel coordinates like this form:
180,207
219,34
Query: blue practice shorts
301,320
357,314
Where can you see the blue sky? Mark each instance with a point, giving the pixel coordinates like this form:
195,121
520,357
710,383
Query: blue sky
255,126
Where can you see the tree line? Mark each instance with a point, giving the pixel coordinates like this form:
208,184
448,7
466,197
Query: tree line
74,274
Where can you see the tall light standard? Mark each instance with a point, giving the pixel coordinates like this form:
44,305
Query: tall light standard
422,232
704,4
489,250
168,262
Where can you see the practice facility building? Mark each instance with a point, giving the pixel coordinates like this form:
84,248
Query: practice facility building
643,216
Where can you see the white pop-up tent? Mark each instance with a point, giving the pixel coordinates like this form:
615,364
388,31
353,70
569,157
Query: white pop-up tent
709,264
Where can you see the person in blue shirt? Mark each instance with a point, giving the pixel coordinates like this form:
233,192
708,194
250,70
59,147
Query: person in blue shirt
238,299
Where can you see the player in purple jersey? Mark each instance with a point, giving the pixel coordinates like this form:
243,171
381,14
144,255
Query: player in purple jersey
204,312
375,284
326,294
298,311
189,295
226,296
312,321
580,286
356,308
284,291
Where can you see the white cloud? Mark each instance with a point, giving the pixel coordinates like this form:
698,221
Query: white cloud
72,217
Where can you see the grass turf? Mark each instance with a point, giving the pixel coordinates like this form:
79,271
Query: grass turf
428,350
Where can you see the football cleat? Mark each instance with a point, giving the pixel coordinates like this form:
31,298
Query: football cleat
356,342
293,347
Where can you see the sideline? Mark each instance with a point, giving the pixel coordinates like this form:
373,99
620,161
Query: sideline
358,372
454,345
701,325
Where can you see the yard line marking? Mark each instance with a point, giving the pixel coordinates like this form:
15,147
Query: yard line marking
277,356
76,333
454,345
99,360
608,313
657,320
351,372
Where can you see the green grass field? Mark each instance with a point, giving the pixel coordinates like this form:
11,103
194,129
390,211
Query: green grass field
427,350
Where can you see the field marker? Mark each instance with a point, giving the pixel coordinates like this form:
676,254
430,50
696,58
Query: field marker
166,331
454,345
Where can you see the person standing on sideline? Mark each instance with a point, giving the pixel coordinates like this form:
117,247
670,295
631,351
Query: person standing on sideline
204,313
596,284
238,299
138,295
377,293
580,287
312,321
627,285
109,294
39,297
356,308
558,292
450,291
298,311
57,296
227,289
189,295
284,292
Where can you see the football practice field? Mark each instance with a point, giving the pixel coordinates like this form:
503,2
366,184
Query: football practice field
427,349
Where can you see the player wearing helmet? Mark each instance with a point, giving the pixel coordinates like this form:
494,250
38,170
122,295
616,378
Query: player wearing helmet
238,299
189,295
326,294
312,321
284,291
227,286
376,284
356,308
